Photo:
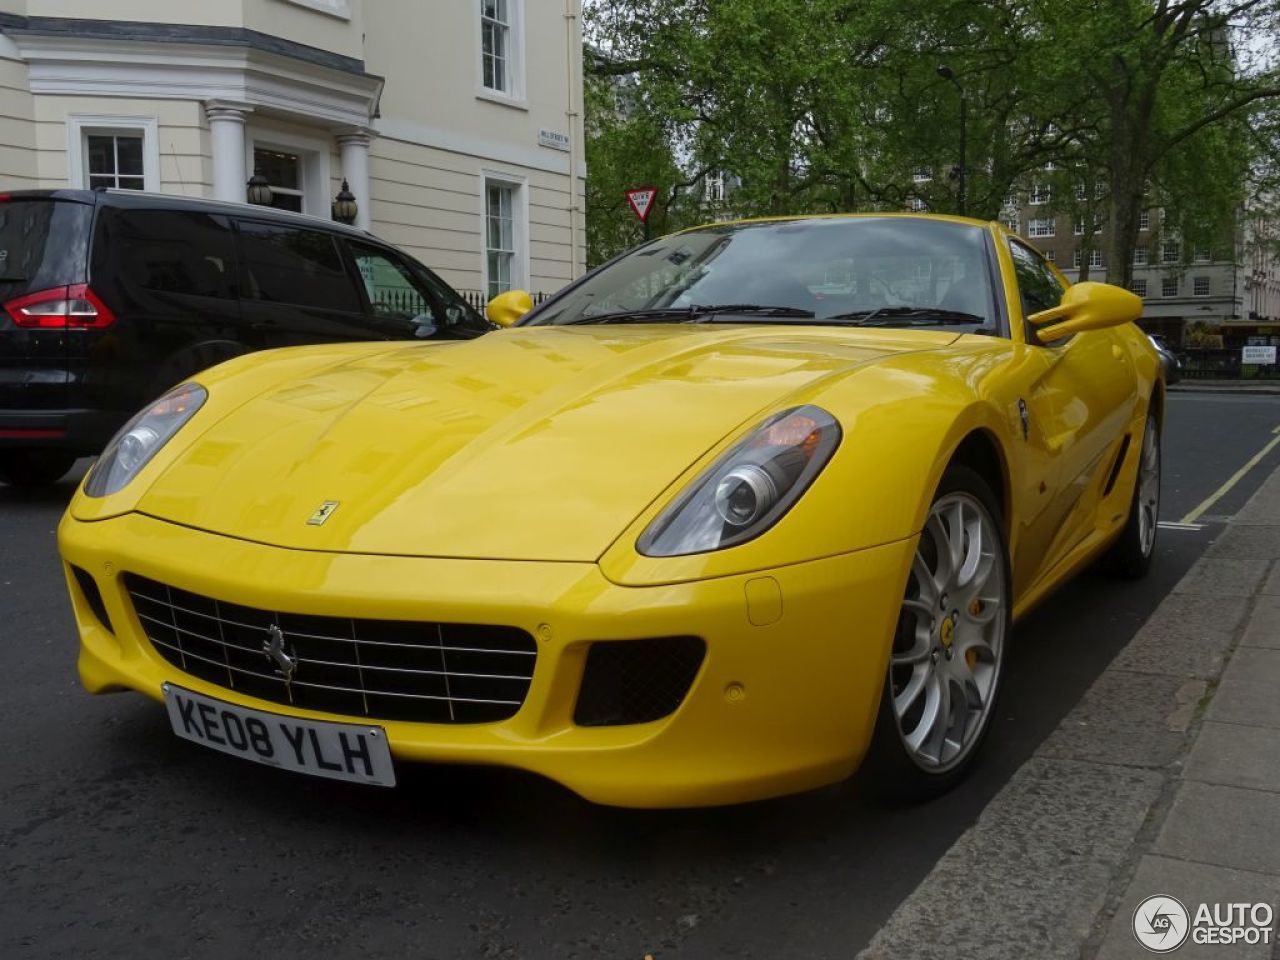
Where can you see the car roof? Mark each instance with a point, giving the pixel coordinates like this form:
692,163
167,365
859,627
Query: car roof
143,200
869,215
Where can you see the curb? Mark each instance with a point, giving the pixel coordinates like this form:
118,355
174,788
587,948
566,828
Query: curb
1152,784
1261,389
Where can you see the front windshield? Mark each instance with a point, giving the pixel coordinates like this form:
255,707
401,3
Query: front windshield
881,270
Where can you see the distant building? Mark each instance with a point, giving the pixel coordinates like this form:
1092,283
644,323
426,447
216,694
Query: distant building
457,124
1204,285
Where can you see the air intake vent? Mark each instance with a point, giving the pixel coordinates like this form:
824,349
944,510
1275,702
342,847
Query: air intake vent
635,681
93,596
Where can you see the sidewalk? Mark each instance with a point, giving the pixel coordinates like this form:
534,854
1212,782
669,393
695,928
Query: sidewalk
1164,779
1265,387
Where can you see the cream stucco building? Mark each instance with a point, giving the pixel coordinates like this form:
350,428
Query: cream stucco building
457,123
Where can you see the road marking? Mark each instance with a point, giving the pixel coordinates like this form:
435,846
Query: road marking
1170,525
1235,478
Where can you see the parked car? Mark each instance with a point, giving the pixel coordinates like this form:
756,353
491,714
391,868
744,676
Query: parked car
112,297
1168,359
685,534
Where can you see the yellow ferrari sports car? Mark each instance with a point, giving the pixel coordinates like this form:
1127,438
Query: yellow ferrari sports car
746,509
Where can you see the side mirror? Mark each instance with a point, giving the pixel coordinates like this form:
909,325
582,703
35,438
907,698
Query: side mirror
506,308
1087,306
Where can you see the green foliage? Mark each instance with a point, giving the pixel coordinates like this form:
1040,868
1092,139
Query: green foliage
837,105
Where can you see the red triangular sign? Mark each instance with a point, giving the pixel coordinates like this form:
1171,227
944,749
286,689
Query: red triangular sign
641,200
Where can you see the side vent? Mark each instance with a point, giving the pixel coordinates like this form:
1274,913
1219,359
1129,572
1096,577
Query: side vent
1115,467
93,596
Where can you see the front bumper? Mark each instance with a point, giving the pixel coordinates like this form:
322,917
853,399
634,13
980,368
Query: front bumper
785,699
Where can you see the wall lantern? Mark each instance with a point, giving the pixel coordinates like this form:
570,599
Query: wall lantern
259,191
345,207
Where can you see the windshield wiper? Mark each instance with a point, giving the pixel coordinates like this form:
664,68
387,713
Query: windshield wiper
907,317
693,313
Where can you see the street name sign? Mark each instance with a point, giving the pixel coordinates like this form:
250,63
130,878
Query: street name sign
1258,355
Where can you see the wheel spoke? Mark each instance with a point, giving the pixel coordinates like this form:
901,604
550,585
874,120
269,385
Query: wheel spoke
924,578
942,544
929,715
911,692
973,556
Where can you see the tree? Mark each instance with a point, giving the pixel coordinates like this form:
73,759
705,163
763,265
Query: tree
837,105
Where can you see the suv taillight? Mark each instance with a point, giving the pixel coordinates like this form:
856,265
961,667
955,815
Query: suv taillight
61,308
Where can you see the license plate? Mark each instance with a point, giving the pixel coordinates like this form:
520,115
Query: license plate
340,751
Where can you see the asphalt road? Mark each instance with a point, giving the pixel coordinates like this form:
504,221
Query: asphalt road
118,839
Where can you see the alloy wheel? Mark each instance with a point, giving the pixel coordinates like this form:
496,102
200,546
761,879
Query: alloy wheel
1149,488
948,651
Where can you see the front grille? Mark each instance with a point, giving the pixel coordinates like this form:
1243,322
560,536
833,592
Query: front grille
386,669
635,681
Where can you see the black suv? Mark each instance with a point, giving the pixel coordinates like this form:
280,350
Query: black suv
111,297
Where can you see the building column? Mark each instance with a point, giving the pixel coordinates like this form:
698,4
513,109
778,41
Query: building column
353,146
226,132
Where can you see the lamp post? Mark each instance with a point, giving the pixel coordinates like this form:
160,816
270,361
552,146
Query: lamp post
946,73
345,208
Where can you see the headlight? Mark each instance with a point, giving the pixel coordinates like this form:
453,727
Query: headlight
141,438
748,489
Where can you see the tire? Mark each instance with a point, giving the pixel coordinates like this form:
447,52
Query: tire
952,638
1130,556
32,468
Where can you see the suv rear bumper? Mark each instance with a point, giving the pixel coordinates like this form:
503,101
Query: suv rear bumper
79,431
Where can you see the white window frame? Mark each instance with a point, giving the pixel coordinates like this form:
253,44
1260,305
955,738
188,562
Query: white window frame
1202,255
1051,256
1196,284
1164,287
520,276
1077,228
714,187
1011,222
1170,251
1134,284
314,156
1041,193
1095,258
917,205
515,95
80,126
1144,220
1042,227
1141,256
334,8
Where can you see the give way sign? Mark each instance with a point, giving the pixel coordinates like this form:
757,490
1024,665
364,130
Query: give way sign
641,200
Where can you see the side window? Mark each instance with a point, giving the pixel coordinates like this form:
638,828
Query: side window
173,251
392,290
1037,285
400,288
290,265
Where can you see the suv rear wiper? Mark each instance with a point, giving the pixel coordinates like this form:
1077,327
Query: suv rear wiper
907,317
691,314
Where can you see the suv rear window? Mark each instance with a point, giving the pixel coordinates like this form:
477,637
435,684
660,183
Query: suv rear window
289,265
43,244
185,252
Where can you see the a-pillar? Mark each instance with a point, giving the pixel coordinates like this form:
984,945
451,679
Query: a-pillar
353,146
226,133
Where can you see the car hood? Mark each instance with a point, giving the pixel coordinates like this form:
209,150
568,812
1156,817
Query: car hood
536,443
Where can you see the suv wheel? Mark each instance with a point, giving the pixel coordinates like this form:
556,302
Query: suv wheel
34,468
